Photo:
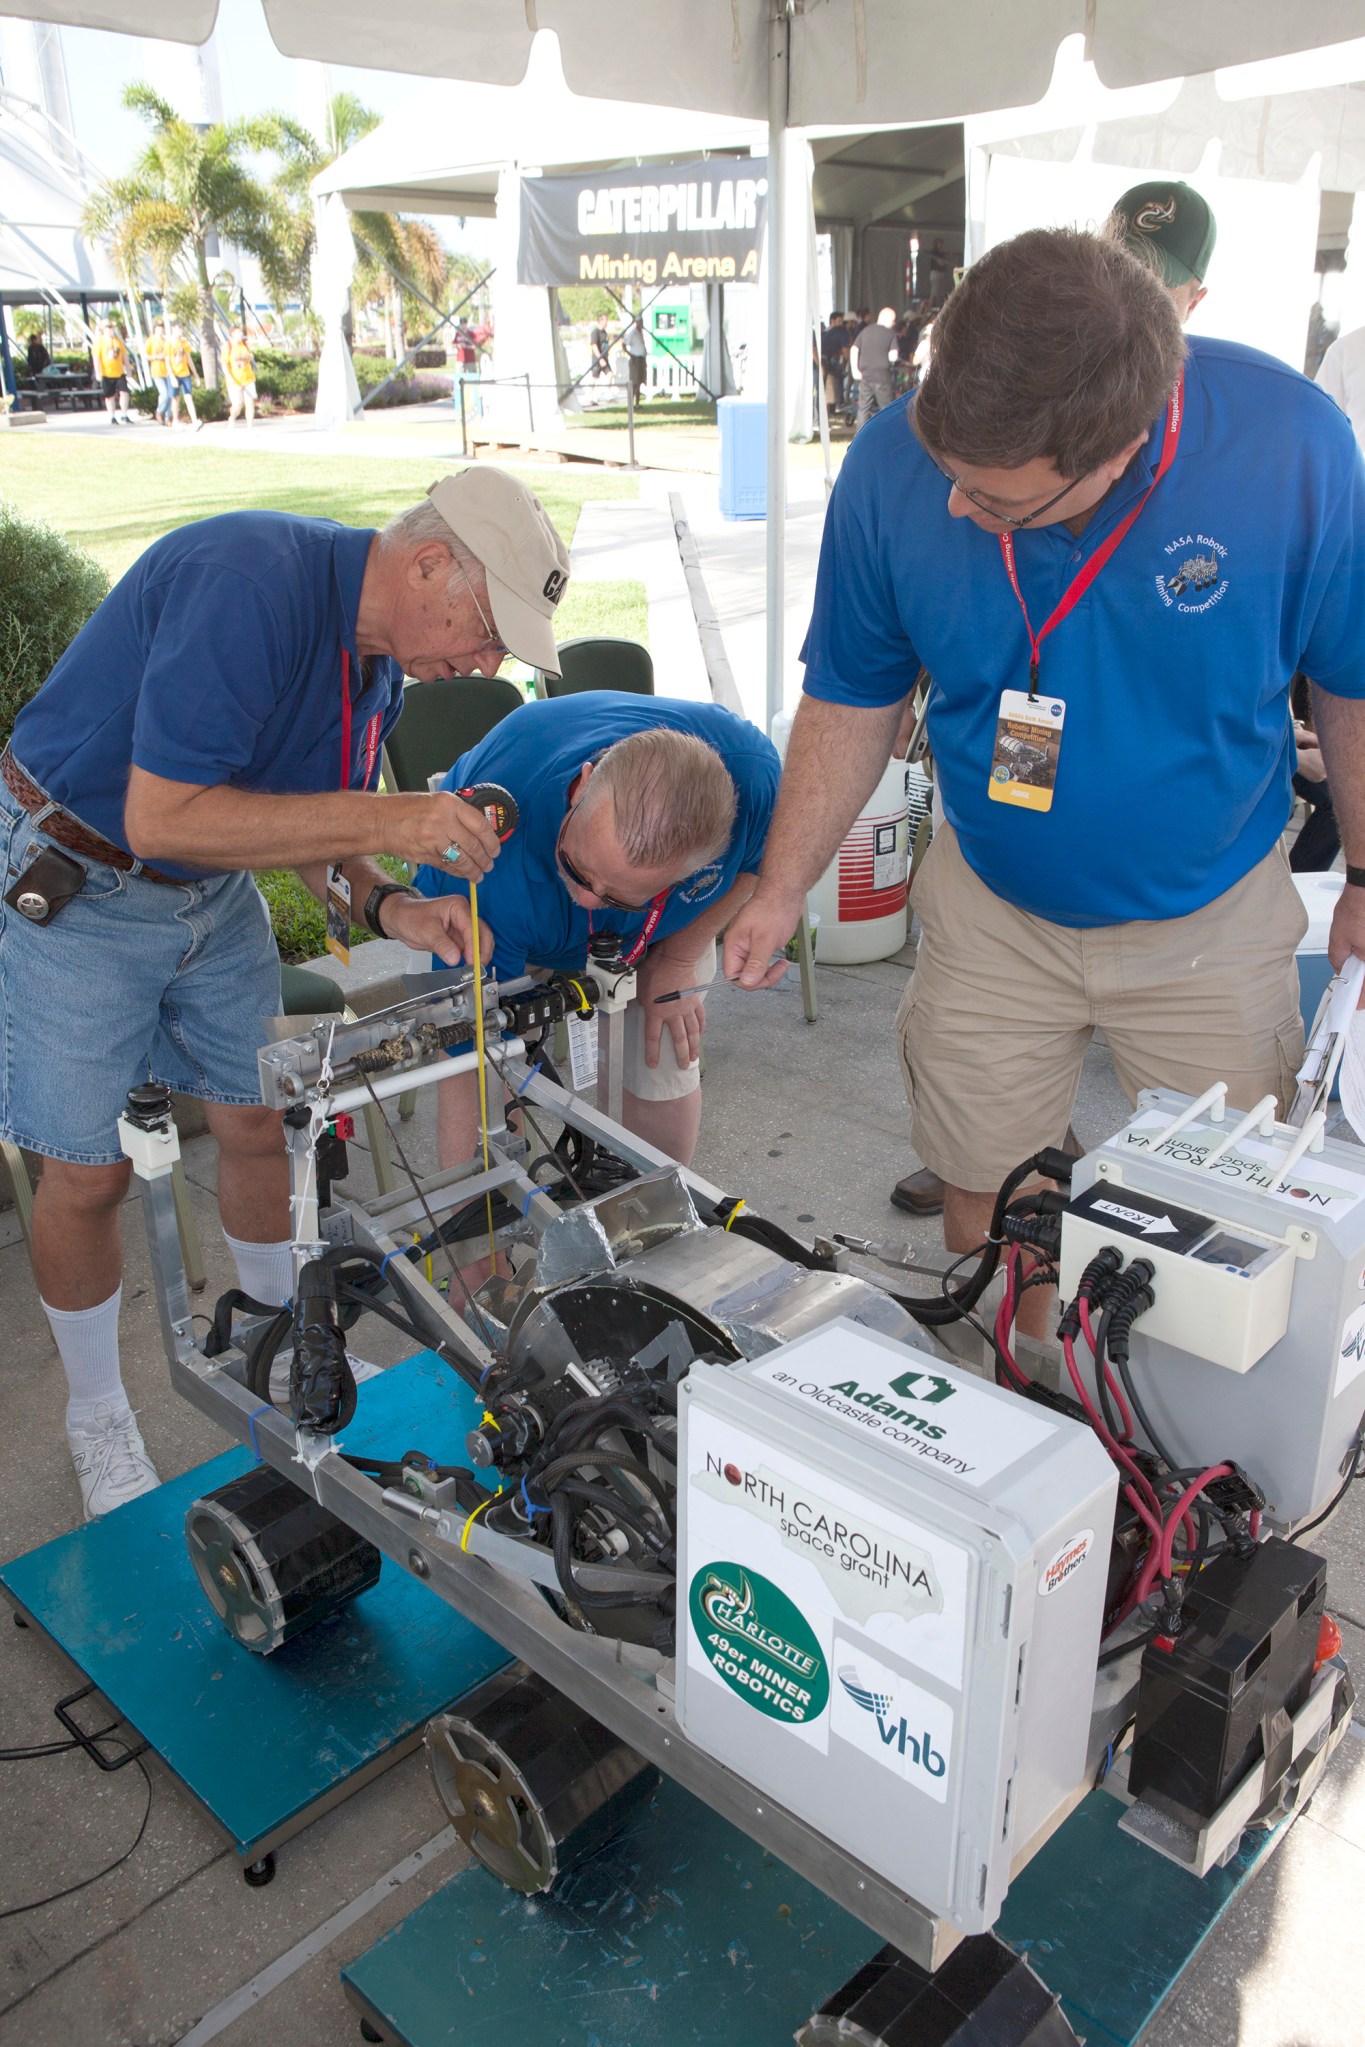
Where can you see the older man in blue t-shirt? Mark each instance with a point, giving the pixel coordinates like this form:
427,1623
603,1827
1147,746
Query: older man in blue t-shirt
642,816
223,710
1111,552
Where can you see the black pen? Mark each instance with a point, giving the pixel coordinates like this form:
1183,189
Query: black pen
678,993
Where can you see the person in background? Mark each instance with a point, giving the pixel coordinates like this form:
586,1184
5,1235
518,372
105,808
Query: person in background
1170,227
36,355
635,349
111,365
1341,374
240,366
180,366
871,359
600,343
156,363
834,342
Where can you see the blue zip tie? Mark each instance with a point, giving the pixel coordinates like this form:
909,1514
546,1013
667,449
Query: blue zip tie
531,1507
401,1251
251,1427
486,1370
527,1202
532,1071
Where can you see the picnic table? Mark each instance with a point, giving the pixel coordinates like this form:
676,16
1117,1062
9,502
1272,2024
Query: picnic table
54,388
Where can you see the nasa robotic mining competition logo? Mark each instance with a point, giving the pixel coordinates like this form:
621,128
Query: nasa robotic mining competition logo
703,884
1195,577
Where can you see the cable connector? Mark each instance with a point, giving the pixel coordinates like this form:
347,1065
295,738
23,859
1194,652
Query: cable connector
1039,1232
1055,1164
1089,1288
1234,1494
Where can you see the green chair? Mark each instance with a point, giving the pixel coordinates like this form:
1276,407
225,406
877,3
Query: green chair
305,993
441,720
599,664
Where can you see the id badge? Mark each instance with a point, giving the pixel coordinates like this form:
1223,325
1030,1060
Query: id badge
338,916
1028,744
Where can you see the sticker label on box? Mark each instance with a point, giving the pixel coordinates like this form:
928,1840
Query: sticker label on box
895,1721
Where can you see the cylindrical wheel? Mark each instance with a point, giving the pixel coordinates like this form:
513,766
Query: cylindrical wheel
271,1561
531,1782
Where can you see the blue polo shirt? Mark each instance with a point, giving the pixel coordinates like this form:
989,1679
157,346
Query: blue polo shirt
1247,562
535,754
215,660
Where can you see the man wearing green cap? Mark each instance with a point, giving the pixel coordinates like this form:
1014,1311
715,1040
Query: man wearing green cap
1172,228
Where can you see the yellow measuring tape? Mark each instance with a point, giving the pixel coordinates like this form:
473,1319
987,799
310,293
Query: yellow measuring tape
481,1057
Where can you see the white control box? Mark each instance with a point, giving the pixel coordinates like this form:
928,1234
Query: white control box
892,1577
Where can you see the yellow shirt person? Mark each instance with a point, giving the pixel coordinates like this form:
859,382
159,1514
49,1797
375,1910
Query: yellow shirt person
241,378
111,364
180,371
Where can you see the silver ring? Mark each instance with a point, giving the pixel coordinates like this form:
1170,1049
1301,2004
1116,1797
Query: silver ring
452,854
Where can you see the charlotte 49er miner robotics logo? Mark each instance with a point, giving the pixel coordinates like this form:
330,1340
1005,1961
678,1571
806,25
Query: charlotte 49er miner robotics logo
1194,577
758,1643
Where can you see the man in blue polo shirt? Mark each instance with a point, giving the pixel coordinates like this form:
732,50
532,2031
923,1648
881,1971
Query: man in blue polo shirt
1111,552
223,710
638,815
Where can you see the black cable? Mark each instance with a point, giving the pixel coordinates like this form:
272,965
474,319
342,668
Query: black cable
1140,1415
1340,1493
1113,1654
563,1525
1108,1407
36,1904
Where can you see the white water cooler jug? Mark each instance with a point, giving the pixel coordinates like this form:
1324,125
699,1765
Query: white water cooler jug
858,908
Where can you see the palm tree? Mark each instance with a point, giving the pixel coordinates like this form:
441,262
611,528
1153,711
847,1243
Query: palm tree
188,185
408,246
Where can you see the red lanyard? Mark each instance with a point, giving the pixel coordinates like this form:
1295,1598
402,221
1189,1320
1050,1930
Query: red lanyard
656,910
1073,594
372,730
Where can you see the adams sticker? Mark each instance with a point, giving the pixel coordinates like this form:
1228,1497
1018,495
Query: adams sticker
1066,1562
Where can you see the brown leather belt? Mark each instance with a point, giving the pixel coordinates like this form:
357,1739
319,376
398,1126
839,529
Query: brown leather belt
67,830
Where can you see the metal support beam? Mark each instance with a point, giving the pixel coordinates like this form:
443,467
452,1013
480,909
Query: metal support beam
779,78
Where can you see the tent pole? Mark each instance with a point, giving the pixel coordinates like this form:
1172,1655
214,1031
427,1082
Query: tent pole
779,55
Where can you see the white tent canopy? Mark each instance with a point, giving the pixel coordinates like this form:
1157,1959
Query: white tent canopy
42,249
853,62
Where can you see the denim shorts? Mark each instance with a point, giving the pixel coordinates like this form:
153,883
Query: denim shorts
133,980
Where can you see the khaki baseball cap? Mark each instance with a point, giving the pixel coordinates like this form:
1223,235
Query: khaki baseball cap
523,557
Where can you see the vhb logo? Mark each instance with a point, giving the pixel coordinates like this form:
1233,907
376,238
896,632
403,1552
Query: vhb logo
555,584
894,1732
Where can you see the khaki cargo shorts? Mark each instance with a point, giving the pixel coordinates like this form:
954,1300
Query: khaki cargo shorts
997,1016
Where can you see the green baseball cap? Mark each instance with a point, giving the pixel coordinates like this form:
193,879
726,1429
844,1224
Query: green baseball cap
1172,225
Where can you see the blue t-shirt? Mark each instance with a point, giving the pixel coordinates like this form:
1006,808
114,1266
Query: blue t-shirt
1247,563
535,755
215,660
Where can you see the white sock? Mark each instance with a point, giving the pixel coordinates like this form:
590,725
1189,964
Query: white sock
265,1271
88,1341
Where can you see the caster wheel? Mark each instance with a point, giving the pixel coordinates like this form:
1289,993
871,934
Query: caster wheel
367,2032
259,1874
271,1561
532,1782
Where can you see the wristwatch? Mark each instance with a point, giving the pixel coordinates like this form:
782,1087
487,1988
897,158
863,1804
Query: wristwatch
378,896
1355,877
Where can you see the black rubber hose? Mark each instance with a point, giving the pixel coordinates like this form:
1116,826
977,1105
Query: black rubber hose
608,1460
563,1525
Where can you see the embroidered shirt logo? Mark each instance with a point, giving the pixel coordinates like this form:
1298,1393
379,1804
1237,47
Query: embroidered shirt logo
1194,577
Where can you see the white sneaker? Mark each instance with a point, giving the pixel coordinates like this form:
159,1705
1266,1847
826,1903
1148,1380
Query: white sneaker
111,1460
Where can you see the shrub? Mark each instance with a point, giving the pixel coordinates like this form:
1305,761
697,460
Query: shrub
48,589
298,918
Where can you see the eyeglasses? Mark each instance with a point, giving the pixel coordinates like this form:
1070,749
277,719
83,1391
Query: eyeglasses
580,880
991,511
492,644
